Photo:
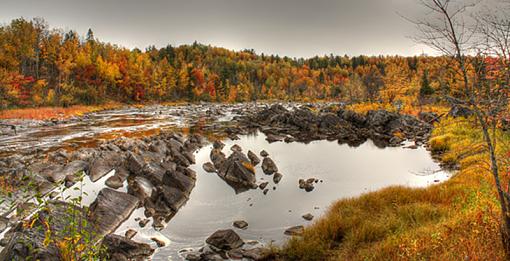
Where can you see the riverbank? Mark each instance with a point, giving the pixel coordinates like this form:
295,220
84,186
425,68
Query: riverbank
455,220
58,113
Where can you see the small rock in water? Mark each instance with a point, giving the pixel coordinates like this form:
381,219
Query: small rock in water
159,242
114,182
308,216
236,147
268,166
295,231
130,233
263,185
265,191
241,224
253,158
274,188
143,222
209,167
264,153
277,177
218,145
306,185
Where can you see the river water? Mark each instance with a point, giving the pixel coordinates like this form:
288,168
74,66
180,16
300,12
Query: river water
345,172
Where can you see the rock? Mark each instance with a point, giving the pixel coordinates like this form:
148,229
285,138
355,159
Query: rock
130,233
134,163
103,164
238,172
277,177
122,248
209,167
256,254
265,191
218,145
253,158
225,240
264,153
307,216
241,224
110,209
274,138
140,187
380,118
412,147
263,185
179,180
144,222
168,200
236,147
114,182
217,157
159,242
354,118
4,222
306,185
268,166
330,121
295,231
428,117
70,180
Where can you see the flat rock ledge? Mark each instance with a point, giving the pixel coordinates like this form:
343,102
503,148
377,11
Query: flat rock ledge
303,124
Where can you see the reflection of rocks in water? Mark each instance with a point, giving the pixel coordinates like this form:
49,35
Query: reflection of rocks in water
303,125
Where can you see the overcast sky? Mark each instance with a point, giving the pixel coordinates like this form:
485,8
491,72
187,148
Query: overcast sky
296,28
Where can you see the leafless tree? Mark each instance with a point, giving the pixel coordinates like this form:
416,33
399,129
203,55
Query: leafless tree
478,43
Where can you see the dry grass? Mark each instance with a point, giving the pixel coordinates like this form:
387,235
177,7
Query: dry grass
45,113
407,108
454,220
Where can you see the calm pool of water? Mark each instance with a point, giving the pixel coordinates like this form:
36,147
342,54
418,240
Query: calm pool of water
345,171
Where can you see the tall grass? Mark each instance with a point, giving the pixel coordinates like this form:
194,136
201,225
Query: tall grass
454,220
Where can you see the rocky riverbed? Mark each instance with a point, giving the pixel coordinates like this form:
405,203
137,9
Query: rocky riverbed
152,162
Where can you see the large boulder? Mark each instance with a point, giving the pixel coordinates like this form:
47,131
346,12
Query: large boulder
122,248
226,239
103,164
110,209
238,172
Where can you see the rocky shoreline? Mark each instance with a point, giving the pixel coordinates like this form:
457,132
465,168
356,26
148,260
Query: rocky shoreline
156,171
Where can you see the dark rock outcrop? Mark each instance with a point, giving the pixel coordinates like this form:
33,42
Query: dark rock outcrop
225,240
121,248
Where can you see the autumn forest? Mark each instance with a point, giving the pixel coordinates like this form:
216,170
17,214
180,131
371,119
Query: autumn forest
40,66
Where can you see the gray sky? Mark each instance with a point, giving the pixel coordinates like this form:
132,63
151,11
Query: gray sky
296,28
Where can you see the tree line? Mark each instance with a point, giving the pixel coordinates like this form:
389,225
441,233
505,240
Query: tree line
40,66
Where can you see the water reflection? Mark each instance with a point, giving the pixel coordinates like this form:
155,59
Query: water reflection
346,171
